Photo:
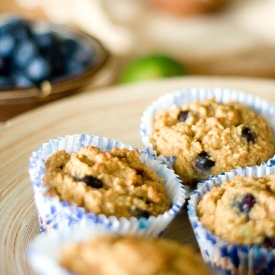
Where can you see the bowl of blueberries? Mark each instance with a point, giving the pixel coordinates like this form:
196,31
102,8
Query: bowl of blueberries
41,61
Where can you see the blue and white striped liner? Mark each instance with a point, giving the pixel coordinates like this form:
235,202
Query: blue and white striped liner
44,250
56,214
188,95
226,257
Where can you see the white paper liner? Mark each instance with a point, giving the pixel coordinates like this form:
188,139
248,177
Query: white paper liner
188,95
225,257
56,214
44,251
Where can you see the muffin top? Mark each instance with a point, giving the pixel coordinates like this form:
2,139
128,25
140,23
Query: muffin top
110,254
208,138
241,210
111,183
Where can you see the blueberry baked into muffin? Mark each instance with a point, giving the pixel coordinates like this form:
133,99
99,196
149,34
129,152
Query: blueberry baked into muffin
208,138
241,210
111,183
109,254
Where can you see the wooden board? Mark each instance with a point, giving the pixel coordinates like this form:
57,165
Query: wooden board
113,112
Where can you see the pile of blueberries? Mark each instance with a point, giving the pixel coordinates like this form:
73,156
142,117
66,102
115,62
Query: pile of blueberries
28,58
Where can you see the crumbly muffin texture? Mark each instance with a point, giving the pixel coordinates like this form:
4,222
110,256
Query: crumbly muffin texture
111,183
208,137
241,210
131,255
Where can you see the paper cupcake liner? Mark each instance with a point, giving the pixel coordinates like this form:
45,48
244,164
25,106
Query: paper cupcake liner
186,96
230,258
56,214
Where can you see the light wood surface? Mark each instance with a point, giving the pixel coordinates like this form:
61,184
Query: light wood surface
113,112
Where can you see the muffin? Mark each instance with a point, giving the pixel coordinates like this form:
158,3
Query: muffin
81,178
208,136
89,250
241,210
131,255
233,220
110,183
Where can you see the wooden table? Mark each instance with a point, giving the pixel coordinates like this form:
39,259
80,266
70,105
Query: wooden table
113,112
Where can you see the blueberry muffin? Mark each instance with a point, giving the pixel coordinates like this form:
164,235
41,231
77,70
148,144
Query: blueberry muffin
208,138
233,220
114,183
131,255
241,210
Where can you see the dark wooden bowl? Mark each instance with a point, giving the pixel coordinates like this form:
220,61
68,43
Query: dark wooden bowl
18,100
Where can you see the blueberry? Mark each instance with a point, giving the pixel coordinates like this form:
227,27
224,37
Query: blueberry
28,58
92,181
38,69
14,19
269,242
138,213
248,134
7,44
73,68
247,203
183,115
68,47
203,161
20,29
56,62
44,40
5,83
47,42
82,55
5,29
79,60
21,81
24,53
4,66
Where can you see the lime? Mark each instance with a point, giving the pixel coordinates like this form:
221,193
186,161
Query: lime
151,67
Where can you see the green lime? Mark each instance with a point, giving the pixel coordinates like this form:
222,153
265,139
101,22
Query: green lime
151,67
